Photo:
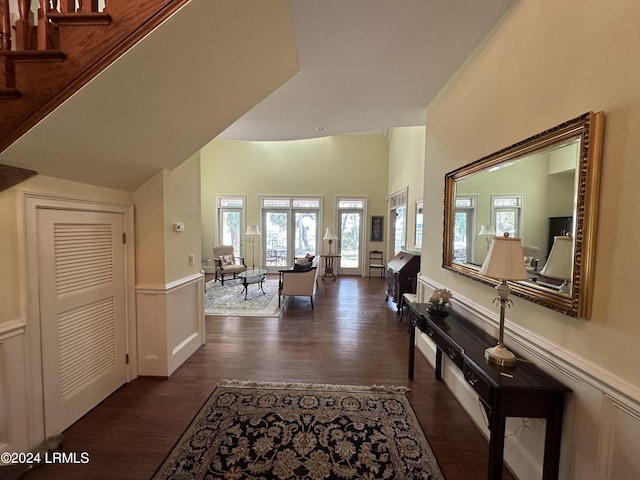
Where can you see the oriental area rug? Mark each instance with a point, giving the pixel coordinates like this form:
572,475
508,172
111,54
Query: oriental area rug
228,300
256,430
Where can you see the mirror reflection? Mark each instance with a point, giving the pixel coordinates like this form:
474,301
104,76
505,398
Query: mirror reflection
543,190
532,198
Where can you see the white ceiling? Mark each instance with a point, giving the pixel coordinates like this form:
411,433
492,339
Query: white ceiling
368,65
362,66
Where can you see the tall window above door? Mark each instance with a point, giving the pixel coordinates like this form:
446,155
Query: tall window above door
351,216
230,221
507,214
397,216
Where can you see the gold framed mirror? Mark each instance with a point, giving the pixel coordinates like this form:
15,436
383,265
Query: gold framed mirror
418,239
544,190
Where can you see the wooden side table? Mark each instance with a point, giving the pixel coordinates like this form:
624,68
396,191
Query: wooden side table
520,391
329,270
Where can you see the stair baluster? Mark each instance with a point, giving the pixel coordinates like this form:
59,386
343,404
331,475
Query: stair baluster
5,25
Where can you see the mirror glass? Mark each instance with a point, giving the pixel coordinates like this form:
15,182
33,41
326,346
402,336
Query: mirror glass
543,190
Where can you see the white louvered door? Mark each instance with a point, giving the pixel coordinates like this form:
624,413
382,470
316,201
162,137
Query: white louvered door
82,316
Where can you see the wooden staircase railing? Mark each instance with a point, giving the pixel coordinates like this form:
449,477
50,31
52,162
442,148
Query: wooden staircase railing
70,44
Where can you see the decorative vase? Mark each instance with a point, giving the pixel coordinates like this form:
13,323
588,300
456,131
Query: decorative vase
437,311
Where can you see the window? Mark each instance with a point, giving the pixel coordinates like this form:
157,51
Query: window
397,224
418,224
507,214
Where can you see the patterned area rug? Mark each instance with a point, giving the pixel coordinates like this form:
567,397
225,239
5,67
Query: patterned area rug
228,300
253,430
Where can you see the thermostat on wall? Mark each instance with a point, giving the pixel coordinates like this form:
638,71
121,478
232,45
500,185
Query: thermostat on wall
178,227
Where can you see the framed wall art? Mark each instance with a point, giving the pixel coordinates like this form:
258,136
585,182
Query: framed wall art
377,223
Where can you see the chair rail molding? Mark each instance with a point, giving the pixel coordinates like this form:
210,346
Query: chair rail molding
602,415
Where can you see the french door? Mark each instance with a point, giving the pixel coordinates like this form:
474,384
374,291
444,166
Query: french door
290,230
351,218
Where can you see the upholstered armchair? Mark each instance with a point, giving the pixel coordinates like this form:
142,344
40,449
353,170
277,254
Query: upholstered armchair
226,262
299,281
531,257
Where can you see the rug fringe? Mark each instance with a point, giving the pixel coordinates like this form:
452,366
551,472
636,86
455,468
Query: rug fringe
399,389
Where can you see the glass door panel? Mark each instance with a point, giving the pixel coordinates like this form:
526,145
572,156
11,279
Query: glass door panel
306,233
275,239
230,222
350,242
398,238
463,236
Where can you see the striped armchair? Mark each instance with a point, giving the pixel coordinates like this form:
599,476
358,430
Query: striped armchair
226,262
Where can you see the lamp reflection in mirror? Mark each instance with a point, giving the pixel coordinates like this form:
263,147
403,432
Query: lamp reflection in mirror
330,235
487,231
504,262
252,232
560,260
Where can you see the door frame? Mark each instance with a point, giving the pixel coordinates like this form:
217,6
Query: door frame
29,264
364,227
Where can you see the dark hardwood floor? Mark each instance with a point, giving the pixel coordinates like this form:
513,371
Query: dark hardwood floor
353,336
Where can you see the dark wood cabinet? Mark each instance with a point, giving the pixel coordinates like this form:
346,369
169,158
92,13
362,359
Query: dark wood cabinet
402,275
558,227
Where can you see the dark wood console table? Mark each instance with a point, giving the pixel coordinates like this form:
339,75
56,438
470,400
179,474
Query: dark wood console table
520,391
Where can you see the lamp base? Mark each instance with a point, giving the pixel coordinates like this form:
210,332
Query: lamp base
500,356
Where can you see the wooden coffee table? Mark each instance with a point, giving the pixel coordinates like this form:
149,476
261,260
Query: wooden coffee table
254,275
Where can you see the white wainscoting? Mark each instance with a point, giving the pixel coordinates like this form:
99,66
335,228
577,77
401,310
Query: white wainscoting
170,324
601,428
14,435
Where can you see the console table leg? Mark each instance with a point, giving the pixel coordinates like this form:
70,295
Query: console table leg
438,363
552,440
496,442
412,346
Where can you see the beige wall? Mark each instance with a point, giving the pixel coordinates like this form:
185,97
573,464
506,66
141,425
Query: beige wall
327,167
12,253
548,62
406,169
150,231
169,197
182,205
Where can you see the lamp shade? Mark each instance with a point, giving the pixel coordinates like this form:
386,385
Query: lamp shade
560,259
505,260
329,234
252,230
487,230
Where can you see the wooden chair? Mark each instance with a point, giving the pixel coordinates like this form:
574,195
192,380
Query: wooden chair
376,263
226,262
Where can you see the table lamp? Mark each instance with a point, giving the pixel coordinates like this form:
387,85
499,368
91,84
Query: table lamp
251,233
487,231
504,262
560,261
330,235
